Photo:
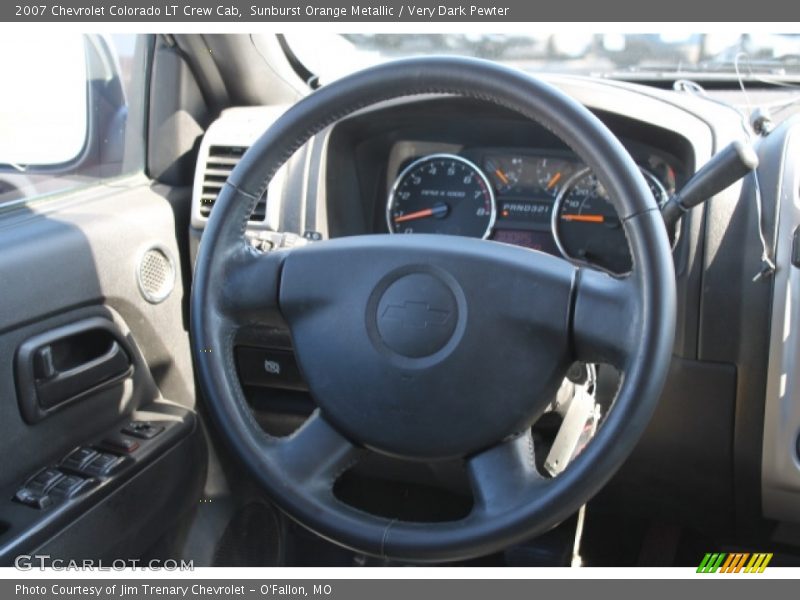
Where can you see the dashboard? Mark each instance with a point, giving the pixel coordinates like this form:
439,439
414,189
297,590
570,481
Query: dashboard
452,166
539,198
459,167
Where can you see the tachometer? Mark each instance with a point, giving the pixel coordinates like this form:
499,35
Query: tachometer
586,226
442,193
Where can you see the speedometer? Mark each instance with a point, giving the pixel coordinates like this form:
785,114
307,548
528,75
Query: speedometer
586,226
442,193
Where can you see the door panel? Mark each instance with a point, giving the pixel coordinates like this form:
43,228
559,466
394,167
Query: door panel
64,261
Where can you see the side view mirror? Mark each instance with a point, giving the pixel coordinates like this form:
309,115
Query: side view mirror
66,113
44,112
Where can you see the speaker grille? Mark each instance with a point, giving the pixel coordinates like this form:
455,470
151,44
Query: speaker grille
155,275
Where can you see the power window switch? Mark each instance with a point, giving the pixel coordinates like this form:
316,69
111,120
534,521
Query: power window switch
79,458
33,499
70,486
44,480
103,464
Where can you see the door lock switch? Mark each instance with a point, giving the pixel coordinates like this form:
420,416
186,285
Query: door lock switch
142,429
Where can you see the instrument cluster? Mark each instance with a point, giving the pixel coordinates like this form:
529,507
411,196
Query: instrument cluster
545,200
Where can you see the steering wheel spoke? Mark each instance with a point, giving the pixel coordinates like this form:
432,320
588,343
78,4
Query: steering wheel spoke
316,454
503,474
250,286
606,318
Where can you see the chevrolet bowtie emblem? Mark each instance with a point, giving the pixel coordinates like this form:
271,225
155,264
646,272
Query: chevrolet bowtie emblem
416,315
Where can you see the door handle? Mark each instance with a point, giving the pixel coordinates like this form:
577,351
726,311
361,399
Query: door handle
69,363
55,386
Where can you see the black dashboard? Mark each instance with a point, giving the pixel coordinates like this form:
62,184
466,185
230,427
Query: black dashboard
523,187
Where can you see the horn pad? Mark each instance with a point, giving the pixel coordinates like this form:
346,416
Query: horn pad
424,347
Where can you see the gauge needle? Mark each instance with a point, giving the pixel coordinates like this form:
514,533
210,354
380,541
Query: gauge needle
436,211
554,180
503,177
584,218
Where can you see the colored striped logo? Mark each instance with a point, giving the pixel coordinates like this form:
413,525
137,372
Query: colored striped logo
737,562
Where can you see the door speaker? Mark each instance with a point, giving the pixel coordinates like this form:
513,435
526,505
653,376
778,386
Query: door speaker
155,274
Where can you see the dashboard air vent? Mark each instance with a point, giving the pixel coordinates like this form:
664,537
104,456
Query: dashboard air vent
219,164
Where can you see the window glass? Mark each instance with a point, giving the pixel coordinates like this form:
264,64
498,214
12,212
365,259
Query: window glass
71,112
717,55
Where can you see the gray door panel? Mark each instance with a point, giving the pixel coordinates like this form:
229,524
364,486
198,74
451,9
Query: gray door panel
76,257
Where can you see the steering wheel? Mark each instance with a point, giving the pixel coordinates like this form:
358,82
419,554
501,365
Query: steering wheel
430,347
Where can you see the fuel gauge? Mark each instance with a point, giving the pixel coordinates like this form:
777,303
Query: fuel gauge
505,172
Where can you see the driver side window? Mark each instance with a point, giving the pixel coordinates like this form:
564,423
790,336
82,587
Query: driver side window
71,112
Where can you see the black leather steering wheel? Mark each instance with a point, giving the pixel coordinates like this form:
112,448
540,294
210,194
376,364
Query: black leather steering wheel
467,387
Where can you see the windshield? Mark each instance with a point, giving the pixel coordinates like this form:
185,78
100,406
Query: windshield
768,56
